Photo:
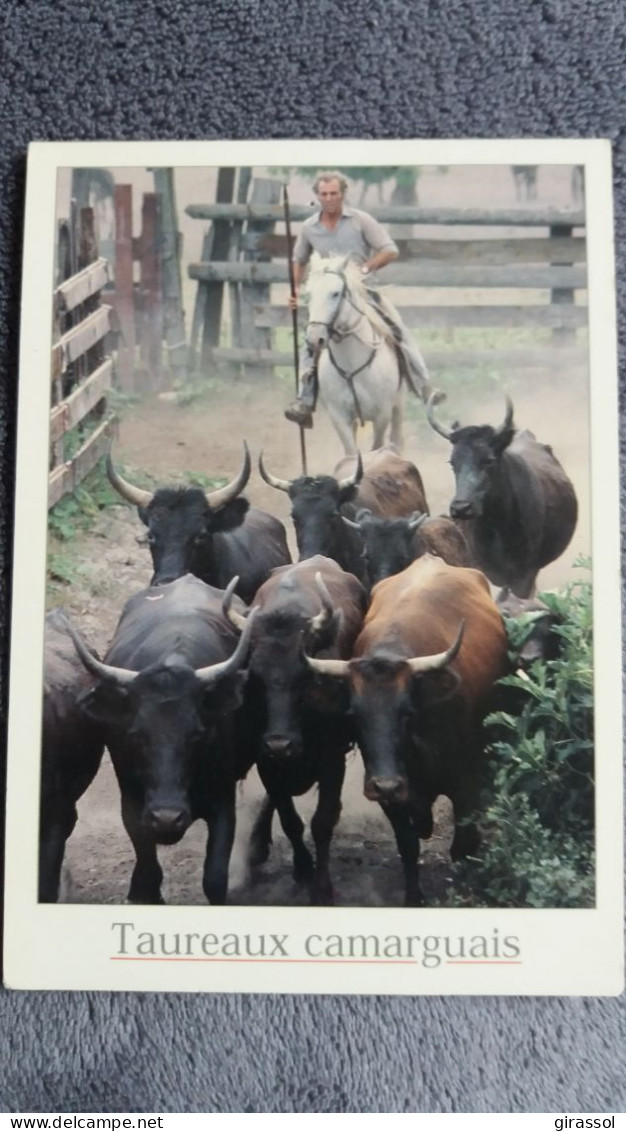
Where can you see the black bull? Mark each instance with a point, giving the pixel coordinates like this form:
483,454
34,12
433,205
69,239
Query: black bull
165,698
299,731
381,480
516,503
72,748
214,534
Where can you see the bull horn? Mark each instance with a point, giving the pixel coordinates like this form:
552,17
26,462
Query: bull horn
319,622
352,480
351,524
508,420
416,520
121,676
422,664
224,495
279,484
340,668
134,495
437,397
210,675
236,619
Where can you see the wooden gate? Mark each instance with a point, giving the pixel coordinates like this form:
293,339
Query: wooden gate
82,369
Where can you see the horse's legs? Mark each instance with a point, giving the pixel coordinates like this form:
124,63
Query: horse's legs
397,420
381,424
345,428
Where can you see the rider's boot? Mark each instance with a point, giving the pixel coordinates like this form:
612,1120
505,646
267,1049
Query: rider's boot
301,410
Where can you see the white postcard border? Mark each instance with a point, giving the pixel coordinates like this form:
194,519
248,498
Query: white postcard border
76,947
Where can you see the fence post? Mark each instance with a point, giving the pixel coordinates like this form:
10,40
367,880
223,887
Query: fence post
211,299
170,244
124,298
264,191
151,310
234,251
562,335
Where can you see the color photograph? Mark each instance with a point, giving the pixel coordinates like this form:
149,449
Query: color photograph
321,552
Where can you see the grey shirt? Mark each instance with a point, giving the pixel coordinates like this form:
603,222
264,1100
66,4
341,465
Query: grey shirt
356,233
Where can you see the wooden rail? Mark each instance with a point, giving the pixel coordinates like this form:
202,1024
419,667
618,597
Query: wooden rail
509,217
81,372
418,275
450,317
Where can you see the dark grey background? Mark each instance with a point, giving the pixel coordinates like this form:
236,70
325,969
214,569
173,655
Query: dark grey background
331,68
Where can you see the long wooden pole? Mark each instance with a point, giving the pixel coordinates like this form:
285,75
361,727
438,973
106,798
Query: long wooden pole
294,315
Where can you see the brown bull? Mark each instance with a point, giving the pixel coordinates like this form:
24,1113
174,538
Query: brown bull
391,486
418,686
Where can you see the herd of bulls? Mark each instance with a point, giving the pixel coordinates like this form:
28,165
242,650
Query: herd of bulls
384,634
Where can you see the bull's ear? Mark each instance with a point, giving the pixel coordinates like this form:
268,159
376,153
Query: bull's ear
435,687
230,516
143,514
501,440
105,703
226,696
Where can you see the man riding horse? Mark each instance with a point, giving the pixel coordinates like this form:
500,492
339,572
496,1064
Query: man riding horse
339,230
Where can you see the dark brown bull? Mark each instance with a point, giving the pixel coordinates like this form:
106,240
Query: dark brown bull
71,752
418,686
215,535
300,734
516,502
391,486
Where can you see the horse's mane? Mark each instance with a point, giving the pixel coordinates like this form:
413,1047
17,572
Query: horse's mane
319,265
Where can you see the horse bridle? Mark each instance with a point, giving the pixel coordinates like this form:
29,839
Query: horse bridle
333,334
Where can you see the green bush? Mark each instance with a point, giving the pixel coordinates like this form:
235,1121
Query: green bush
537,818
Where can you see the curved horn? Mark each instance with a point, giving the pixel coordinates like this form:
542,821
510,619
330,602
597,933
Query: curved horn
352,480
319,622
436,398
350,523
133,495
422,664
236,619
416,520
224,495
214,672
508,420
338,668
121,676
279,484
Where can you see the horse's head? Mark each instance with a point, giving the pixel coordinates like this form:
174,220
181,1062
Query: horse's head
330,282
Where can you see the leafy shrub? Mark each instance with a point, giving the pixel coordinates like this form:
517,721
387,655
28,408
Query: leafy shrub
537,822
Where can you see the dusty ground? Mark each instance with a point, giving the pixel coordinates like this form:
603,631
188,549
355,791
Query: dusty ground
166,439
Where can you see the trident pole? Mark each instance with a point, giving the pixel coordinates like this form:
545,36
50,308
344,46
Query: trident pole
294,315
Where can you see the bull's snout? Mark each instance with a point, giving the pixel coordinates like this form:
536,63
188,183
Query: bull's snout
278,746
386,789
168,824
461,508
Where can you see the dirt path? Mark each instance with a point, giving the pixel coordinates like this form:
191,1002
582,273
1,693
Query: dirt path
165,439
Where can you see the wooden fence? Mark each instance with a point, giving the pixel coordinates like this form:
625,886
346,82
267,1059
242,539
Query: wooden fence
144,290
82,370
534,257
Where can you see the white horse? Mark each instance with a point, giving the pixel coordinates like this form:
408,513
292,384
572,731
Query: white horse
358,371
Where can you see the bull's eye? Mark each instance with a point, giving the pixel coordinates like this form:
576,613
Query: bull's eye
200,539
150,538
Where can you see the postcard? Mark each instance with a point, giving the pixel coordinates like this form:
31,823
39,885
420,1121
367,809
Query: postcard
316,657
